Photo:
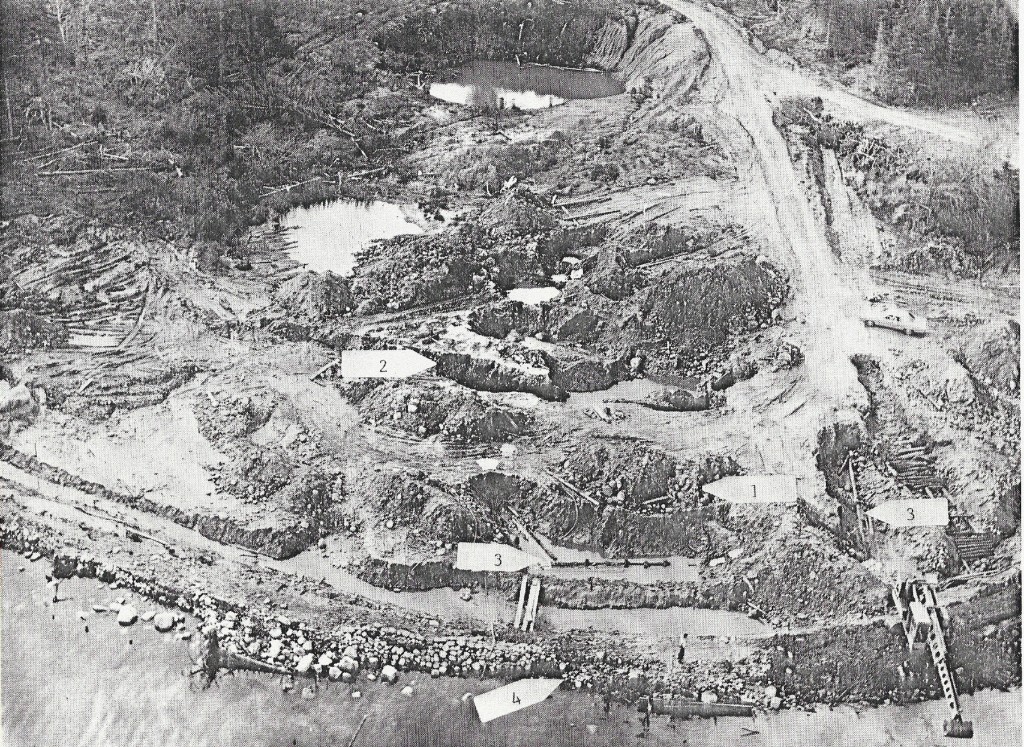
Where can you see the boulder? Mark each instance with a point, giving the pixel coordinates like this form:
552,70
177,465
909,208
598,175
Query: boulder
304,664
127,615
348,664
389,674
163,621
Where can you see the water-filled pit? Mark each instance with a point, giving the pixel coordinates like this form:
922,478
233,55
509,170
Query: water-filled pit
490,84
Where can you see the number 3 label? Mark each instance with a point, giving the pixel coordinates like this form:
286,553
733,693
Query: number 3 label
497,559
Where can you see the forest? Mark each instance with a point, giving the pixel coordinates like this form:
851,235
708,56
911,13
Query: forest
199,118
934,52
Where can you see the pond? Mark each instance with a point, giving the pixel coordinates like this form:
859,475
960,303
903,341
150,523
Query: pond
327,237
533,296
503,85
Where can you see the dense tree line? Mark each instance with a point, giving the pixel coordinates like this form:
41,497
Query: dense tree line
549,32
927,51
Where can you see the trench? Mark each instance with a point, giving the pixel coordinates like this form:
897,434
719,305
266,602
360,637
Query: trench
661,628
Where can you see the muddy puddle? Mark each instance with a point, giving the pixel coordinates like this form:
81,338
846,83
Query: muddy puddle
131,687
533,296
327,237
506,85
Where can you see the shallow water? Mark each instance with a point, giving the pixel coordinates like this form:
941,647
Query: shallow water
503,85
327,237
130,687
533,296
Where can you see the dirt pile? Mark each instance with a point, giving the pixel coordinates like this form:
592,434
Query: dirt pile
680,318
452,412
624,473
430,510
97,396
628,499
661,55
315,295
488,375
22,330
697,309
498,247
992,353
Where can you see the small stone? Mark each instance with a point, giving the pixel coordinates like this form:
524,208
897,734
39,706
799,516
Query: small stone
308,693
147,615
407,691
356,694
98,608
334,673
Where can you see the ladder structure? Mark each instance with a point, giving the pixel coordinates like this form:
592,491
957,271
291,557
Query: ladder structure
919,612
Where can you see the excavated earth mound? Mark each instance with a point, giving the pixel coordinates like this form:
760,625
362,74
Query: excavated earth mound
992,353
453,412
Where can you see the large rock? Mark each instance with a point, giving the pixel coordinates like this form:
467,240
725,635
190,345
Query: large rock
127,615
304,664
348,664
16,401
389,674
163,621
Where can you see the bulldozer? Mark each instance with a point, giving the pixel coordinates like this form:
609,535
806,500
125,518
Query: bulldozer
919,613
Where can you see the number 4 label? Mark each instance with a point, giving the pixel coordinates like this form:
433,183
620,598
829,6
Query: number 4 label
515,698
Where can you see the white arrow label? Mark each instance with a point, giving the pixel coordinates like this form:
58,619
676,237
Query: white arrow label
383,364
491,556
755,489
514,697
919,512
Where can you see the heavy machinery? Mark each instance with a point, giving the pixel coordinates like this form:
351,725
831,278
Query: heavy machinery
919,613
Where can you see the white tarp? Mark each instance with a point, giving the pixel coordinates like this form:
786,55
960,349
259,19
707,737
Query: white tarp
916,512
514,697
491,556
755,489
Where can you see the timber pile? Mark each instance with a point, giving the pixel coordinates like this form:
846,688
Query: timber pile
971,545
914,466
100,289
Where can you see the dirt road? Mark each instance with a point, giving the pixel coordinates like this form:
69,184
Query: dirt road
741,86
